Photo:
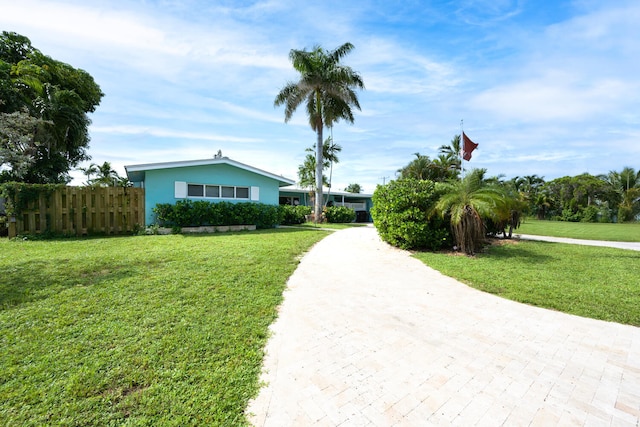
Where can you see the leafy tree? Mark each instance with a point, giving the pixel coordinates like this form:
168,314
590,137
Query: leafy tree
466,202
18,146
327,89
58,96
570,195
353,188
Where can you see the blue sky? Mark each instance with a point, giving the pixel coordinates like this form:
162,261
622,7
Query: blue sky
544,87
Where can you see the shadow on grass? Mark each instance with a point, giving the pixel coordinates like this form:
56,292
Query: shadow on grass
266,231
518,252
34,280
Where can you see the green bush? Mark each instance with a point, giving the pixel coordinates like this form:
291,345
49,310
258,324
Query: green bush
189,213
590,214
403,215
339,214
292,215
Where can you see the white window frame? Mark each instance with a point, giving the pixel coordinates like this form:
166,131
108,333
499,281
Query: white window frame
182,191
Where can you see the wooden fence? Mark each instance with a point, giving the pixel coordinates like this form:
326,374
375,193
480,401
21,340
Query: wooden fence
82,210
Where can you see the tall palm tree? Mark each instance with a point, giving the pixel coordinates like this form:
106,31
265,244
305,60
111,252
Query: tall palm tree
466,203
327,89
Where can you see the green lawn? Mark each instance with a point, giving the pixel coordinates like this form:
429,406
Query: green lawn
149,330
628,232
600,283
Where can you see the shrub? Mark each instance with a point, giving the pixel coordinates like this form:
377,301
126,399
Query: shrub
403,214
188,213
590,214
339,214
292,215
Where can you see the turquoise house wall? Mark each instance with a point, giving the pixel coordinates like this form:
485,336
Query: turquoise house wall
160,184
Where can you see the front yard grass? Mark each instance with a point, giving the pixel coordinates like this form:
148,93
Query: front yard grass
601,283
150,330
626,232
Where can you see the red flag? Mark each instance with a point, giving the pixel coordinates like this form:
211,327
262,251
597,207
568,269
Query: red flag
467,147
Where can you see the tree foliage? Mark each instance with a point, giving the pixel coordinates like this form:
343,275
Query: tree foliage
44,109
353,188
443,168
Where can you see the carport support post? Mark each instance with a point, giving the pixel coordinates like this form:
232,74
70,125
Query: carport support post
12,227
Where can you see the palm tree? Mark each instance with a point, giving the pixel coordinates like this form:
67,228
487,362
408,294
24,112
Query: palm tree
353,188
467,202
419,168
307,173
327,89
452,155
625,186
106,176
89,171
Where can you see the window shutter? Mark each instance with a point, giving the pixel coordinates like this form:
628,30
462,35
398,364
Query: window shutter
180,190
255,193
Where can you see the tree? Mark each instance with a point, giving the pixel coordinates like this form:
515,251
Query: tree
89,171
353,188
18,146
572,195
327,89
450,156
626,186
422,167
106,176
307,173
466,202
57,95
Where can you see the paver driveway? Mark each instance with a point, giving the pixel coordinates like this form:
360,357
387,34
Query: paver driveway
368,336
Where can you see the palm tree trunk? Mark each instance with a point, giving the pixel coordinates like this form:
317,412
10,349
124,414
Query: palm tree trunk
319,162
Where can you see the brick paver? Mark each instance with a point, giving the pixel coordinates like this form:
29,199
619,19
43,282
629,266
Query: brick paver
369,336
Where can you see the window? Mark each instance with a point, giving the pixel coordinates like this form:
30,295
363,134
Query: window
228,192
212,191
218,191
195,190
242,192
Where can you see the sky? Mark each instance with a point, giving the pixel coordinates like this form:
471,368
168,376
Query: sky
544,87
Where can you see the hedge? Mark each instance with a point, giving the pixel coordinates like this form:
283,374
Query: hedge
403,215
189,213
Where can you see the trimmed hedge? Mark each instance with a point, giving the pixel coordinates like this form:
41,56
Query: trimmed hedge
339,214
189,213
404,217
292,215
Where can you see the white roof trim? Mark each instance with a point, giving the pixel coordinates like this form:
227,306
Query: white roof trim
205,162
325,191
